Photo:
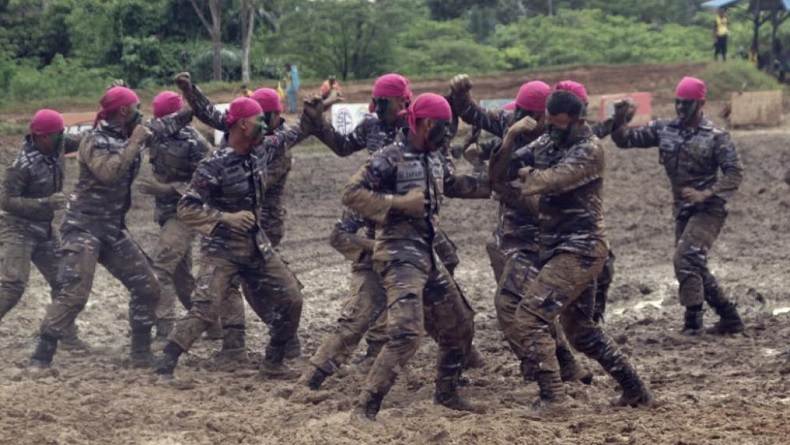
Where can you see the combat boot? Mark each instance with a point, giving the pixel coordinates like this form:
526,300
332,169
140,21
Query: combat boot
141,355
272,366
166,364
214,332
635,391
447,395
316,379
368,405
570,368
729,323
234,350
45,351
692,321
551,392
70,341
293,349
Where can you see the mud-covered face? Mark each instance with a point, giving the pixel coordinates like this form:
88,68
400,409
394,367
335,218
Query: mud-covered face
439,134
51,143
687,110
561,128
254,127
271,119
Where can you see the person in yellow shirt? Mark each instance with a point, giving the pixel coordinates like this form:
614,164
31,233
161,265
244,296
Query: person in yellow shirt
720,33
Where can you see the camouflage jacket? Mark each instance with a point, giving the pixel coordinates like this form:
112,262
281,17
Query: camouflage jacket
32,177
346,240
227,182
174,156
394,170
691,157
371,134
569,185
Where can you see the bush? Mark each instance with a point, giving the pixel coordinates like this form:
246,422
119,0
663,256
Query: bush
62,78
735,75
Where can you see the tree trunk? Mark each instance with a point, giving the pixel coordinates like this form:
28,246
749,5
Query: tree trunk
247,27
216,36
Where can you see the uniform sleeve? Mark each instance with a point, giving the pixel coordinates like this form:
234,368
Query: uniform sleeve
71,141
362,193
108,163
205,111
602,129
11,200
731,167
346,240
488,147
166,126
582,165
193,208
492,121
464,186
342,144
645,136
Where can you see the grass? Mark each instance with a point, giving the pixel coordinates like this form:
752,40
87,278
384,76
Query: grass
736,76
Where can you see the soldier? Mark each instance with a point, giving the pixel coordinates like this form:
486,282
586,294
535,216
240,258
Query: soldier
563,175
390,96
94,228
279,140
399,188
223,204
32,192
692,150
513,248
174,158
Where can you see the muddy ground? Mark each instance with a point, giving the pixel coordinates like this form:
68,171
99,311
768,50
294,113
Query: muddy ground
710,390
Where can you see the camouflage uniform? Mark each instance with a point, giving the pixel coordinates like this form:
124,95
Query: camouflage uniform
94,231
174,158
568,185
418,286
373,134
692,158
26,221
229,182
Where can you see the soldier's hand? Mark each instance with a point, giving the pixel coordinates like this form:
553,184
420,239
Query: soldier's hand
695,196
153,187
335,97
140,135
526,124
411,204
460,85
314,107
524,172
241,221
624,111
183,81
57,201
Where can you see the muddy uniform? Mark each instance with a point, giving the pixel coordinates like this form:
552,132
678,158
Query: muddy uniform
373,134
692,158
26,221
417,284
174,158
277,169
94,231
567,184
229,182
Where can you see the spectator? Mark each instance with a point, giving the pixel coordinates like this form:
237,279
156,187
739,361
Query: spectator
291,85
329,85
720,32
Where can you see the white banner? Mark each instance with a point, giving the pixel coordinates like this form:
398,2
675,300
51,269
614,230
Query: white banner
346,117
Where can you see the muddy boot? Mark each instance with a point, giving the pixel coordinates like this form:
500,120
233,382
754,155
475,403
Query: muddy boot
45,351
692,321
447,395
71,341
316,379
551,392
368,406
293,349
272,366
729,323
234,350
635,391
570,368
473,360
166,364
141,355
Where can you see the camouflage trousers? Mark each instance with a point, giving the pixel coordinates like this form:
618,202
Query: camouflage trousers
17,251
172,261
366,306
563,291
268,283
273,209
419,300
446,250
496,256
695,232
120,255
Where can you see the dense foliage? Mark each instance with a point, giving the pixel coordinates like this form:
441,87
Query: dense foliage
69,47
